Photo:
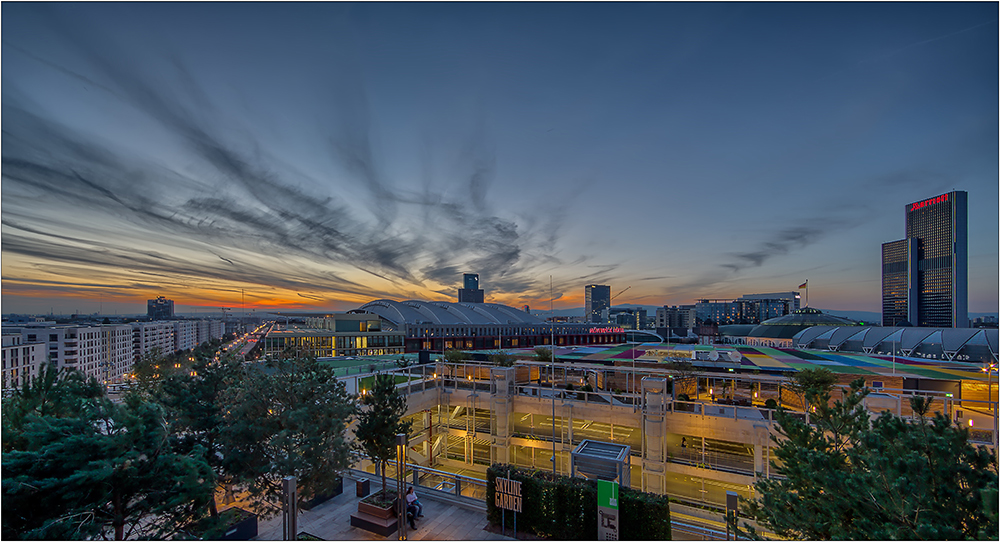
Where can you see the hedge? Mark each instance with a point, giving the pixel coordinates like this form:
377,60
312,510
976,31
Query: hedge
564,508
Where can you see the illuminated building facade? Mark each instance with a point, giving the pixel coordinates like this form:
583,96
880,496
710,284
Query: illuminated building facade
333,335
20,361
934,262
439,325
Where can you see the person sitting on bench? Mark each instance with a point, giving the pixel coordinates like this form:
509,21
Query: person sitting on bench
411,516
411,500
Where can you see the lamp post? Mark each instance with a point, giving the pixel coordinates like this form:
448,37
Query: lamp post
400,495
552,376
989,370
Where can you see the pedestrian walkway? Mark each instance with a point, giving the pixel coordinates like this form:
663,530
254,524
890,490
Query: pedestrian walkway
332,521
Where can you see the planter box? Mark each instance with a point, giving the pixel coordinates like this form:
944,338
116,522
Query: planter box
245,529
232,524
372,510
368,522
323,497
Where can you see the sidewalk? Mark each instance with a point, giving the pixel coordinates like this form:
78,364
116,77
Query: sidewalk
332,521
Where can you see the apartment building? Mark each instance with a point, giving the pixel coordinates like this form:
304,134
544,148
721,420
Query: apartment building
149,337
19,360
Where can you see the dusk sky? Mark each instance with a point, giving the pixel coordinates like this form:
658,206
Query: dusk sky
319,156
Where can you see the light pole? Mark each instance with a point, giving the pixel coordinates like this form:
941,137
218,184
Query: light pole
989,370
552,377
400,494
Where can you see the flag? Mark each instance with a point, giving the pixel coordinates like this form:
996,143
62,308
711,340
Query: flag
804,285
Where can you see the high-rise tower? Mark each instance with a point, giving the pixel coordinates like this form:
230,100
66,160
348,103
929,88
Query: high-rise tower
471,292
925,277
597,300
160,308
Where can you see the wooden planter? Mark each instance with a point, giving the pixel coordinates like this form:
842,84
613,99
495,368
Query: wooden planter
377,511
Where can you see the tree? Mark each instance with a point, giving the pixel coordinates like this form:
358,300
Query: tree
682,371
543,354
194,405
501,359
285,418
812,385
891,479
380,420
101,469
455,356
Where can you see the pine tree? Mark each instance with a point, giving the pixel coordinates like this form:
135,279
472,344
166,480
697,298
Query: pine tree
288,417
849,477
194,404
97,469
380,419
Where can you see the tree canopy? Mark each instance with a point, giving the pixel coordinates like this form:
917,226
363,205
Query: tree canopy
380,420
76,465
848,477
285,418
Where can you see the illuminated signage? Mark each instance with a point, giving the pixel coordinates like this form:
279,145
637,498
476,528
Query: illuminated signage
921,204
607,330
507,494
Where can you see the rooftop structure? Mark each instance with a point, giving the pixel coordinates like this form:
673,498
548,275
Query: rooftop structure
160,308
470,292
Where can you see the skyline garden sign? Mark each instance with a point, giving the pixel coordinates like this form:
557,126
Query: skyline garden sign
508,494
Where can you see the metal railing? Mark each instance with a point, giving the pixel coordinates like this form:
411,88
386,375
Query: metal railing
467,489
715,460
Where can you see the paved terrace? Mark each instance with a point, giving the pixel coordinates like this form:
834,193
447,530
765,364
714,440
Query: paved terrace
332,520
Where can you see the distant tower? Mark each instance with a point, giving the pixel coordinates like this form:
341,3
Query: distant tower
471,293
925,277
597,302
160,308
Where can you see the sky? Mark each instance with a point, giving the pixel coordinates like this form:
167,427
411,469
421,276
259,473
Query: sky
316,156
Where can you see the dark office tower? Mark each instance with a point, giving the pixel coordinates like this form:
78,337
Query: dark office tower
935,260
598,300
160,308
471,293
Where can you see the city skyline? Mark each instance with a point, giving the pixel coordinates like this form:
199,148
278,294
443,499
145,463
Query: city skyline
319,156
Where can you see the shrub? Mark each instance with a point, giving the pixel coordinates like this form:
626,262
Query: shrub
565,508
771,403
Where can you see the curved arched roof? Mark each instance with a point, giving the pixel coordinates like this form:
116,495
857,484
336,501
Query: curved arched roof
442,312
950,340
790,325
808,317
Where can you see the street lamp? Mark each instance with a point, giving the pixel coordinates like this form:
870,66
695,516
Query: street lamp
989,370
400,495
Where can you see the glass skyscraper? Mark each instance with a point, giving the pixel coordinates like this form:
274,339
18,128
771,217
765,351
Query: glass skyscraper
597,300
925,277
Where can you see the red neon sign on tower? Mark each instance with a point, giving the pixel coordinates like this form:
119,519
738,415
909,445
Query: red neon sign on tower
921,204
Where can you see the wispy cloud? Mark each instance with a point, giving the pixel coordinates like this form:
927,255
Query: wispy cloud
239,200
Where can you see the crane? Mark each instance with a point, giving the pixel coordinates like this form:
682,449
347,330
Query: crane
619,293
